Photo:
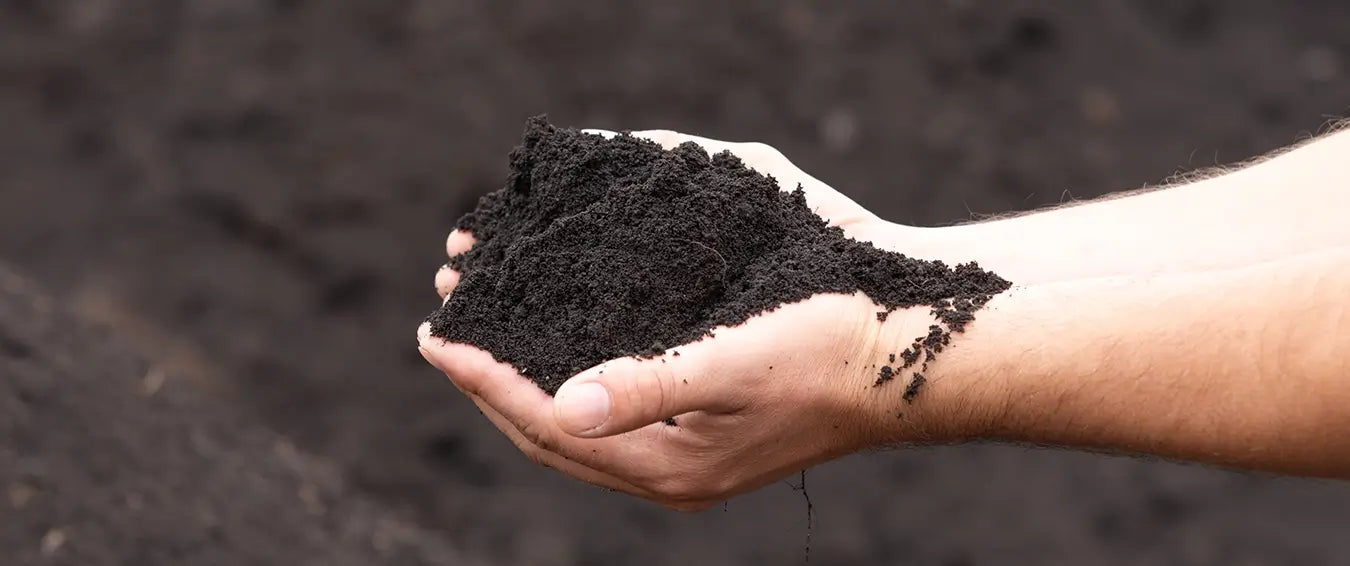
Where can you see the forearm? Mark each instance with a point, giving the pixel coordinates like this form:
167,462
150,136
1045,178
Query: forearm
1244,367
1293,203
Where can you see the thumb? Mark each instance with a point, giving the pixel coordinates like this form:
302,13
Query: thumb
629,393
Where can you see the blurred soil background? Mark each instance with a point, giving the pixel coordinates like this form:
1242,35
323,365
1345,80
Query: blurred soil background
221,219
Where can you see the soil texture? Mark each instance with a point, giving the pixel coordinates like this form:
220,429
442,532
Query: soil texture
107,459
255,193
604,248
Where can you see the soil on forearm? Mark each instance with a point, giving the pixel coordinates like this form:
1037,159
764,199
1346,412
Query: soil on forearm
600,248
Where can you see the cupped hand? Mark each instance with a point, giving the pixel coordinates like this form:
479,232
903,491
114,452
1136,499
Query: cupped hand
750,404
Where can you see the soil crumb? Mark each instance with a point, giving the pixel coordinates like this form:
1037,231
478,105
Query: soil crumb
604,248
887,373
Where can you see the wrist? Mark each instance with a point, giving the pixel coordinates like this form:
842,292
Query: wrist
1185,365
961,390
950,399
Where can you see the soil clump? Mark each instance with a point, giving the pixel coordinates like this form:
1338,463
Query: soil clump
603,248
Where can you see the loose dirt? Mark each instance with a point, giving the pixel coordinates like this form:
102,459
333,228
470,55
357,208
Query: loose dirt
602,248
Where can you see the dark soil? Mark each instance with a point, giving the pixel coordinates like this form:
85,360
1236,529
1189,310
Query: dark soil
603,248
107,459
255,192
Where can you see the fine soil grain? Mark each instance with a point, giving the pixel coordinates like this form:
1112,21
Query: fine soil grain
603,248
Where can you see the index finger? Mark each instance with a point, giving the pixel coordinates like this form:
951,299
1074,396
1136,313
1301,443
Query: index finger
527,407
458,242
830,204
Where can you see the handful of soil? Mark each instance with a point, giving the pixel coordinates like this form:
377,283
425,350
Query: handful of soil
603,248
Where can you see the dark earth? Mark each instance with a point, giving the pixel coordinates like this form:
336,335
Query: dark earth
108,460
597,249
250,199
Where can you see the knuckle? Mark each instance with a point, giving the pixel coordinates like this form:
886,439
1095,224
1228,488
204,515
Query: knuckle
649,392
656,389
661,388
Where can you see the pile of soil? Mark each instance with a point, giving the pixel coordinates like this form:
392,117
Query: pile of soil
602,248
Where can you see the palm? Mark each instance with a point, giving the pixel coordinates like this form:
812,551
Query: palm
786,358
777,377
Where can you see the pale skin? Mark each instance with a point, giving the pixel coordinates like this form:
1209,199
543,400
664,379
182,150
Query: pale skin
1208,321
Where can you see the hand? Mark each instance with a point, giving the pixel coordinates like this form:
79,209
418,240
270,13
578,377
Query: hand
753,403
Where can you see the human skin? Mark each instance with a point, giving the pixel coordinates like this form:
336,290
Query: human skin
1207,322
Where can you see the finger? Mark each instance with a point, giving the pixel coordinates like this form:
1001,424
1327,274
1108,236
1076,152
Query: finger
458,242
755,154
477,373
525,413
830,204
446,279
545,458
629,393
602,133
519,400
535,453
670,139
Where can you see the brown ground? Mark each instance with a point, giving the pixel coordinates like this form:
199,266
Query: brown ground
254,193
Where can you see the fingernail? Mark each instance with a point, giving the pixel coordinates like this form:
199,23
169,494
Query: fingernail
583,407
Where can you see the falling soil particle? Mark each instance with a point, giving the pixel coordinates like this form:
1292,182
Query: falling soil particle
604,248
